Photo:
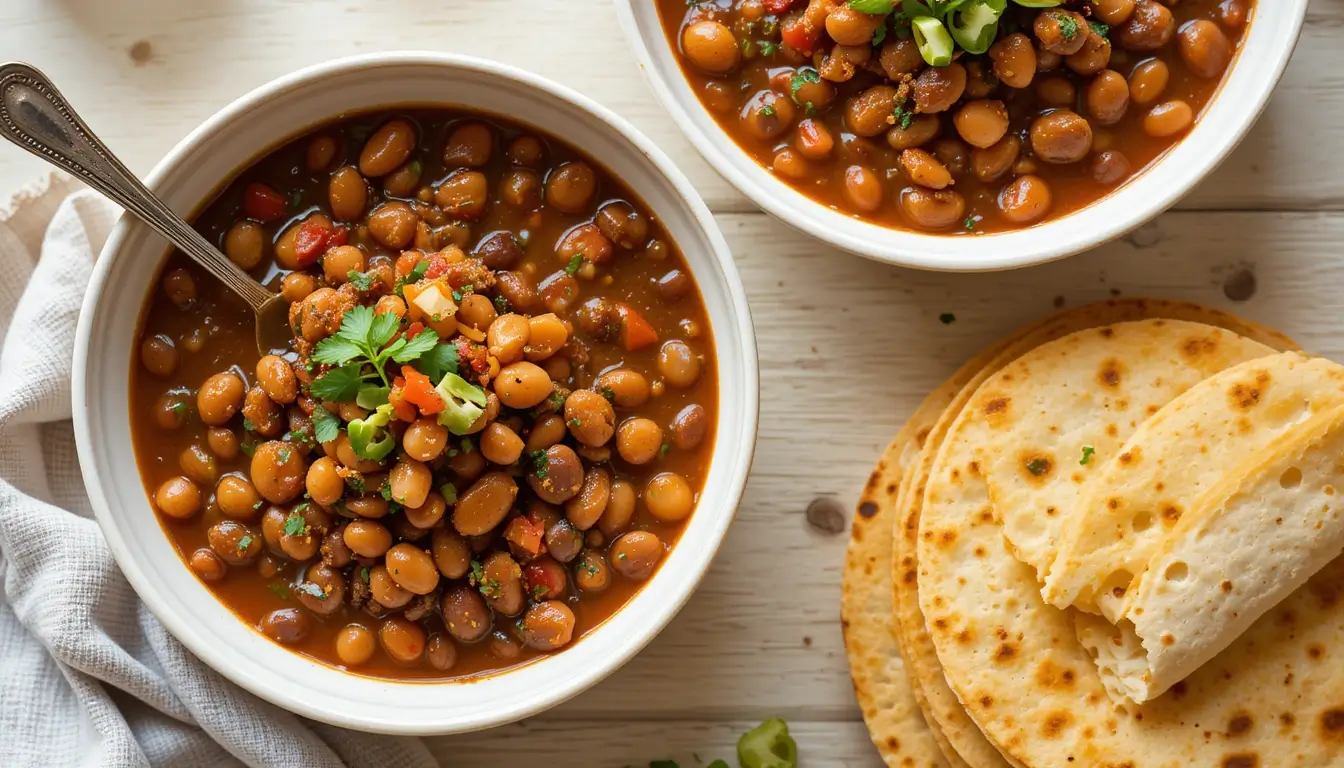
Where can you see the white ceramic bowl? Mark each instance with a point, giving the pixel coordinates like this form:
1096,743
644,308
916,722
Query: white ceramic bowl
191,172
1269,45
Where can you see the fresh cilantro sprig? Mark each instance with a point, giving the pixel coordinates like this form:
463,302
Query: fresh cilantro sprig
360,351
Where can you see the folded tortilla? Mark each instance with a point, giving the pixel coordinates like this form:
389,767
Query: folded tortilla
1170,462
1248,543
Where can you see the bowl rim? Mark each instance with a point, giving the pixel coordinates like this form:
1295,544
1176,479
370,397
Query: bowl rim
983,253
736,453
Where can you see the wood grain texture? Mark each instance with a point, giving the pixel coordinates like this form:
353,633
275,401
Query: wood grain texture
848,348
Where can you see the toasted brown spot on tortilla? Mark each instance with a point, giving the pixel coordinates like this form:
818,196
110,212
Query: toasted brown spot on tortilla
979,551
1226,586
1111,430
964,637
1332,724
909,577
1239,724
1168,638
1004,652
868,509
1244,396
1316,651
1170,514
1051,675
947,538
987,701
1110,374
1178,690
1054,723
1241,760
996,405
1199,345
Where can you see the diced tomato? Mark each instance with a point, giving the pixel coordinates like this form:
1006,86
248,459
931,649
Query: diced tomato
404,410
778,6
438,266
799,34
262,203
339,236
420,392
414,329
525,535
636,332
311,242
406,262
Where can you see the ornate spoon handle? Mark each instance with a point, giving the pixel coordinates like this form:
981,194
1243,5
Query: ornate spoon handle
35,116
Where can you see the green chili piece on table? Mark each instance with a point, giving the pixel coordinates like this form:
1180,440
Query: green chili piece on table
768,745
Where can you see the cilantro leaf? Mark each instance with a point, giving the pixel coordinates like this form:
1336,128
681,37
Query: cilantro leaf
575,262
437,362
361,280
326,425
355,325
335,350
383,328
339,384
426,341
295,525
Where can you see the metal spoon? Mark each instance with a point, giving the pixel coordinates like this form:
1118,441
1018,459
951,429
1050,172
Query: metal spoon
35,116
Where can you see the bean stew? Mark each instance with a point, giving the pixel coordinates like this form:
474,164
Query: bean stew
985,116
494,419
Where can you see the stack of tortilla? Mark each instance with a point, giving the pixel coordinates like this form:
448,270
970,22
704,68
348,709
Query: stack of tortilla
1114,539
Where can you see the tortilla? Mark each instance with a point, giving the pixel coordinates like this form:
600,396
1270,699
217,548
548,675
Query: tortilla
1170,461
917,648
1035,692
893,708
1268,528
1064,408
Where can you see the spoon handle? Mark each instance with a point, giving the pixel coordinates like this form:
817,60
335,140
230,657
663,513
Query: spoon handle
35,116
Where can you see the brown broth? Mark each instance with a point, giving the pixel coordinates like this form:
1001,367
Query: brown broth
227,327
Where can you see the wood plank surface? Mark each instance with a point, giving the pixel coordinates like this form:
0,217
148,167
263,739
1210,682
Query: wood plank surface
847,347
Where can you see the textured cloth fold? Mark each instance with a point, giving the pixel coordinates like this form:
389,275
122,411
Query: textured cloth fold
88,676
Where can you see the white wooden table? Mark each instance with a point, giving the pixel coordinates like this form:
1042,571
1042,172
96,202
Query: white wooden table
847,347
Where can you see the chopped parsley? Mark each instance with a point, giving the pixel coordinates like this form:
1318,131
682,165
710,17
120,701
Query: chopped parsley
767,111
539,591
1068,25
248,448
1038,466
295,525
903,115
970,223
502,305
947,318
539,464
364,574
248,426
799,79
477,572
355,481
590,568
449,493
621,556
575,263
768,47
279,590
295,199
1099,29
467,447
386,491
326,425
415,167
576,422
663,450
245,542
362,281
608,393
880,35
285,454
179,409
1088,452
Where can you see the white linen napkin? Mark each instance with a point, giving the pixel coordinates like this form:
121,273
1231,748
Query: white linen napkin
87,674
